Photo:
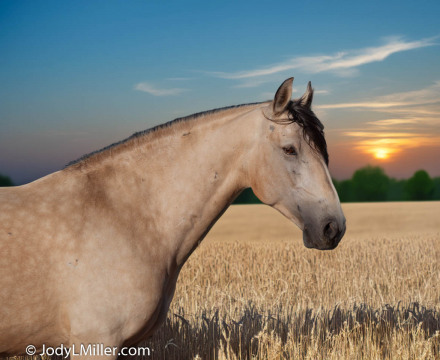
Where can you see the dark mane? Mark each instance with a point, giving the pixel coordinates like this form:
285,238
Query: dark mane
313,129
155,129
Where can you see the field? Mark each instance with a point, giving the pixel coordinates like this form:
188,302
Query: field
253,291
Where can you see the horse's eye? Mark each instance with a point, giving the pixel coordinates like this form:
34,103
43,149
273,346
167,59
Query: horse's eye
289,150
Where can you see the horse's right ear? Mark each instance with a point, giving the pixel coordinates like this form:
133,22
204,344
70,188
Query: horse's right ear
282,96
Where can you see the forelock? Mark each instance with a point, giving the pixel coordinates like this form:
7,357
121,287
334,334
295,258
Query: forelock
313,129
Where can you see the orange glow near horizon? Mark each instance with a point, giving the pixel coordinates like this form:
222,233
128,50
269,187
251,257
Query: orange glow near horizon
384,146
381,153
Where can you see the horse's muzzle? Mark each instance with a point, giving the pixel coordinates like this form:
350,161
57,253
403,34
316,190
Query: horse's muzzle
326,237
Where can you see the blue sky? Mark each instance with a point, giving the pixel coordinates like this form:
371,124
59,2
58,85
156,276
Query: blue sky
76,76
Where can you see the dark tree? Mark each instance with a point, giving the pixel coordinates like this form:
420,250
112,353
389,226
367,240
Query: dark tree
5,181
247,197
370,184
344,189
436,195
420,186
396,190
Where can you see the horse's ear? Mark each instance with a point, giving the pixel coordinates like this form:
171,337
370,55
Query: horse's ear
282,96
307,98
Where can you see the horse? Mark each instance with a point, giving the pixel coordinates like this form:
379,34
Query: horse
91,254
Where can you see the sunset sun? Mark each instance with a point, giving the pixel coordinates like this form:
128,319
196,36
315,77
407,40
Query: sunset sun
381,154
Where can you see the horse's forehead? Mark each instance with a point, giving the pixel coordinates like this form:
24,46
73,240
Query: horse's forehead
290,130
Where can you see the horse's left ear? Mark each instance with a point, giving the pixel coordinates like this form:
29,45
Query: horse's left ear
282,96
307,98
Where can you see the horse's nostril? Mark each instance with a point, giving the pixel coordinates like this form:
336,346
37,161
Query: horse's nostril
331,230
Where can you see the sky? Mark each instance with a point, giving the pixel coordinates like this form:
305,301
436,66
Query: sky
76,76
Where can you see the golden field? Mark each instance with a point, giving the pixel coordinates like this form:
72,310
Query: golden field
253,291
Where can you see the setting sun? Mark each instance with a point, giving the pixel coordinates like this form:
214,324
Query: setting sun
381,154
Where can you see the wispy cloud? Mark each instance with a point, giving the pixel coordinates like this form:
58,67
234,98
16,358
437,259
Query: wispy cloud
363,105
150,89
394,122
428,95
387,134
341,63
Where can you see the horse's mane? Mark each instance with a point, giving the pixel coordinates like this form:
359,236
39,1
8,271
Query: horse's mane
156,129
313,129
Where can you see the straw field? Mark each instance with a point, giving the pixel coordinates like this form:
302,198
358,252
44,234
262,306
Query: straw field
253,291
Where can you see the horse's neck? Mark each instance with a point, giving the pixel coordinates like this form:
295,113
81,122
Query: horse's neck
186,179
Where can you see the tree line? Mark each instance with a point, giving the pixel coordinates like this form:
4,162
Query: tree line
369,183
372,184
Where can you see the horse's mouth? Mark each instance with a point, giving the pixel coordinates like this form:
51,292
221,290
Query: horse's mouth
312,241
